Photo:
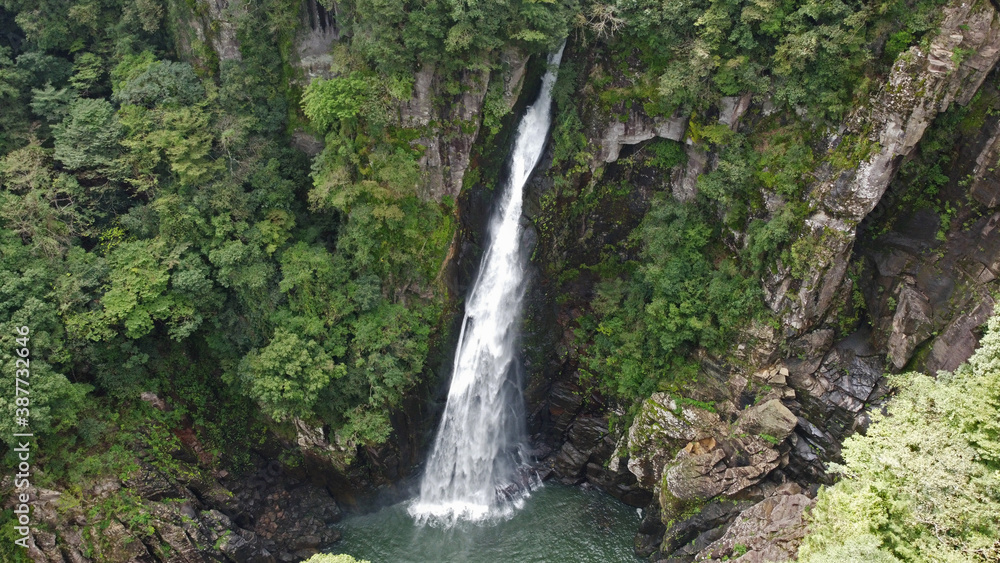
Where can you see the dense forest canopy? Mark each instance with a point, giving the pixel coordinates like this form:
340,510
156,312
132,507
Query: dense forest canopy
153,201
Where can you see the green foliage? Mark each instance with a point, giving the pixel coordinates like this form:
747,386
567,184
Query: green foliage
10,551
45,207
163,83
354,303
52,104
26,300
148,283
286,376
770,439
680,296
326,102
811,53
156,235
665,154
494,107
897,43
921,484
179,138
396,36
570,144
88,136
87,73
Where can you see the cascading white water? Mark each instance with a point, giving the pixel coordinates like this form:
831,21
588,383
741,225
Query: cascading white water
476,453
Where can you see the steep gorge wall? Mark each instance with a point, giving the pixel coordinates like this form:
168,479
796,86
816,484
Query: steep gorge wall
784,397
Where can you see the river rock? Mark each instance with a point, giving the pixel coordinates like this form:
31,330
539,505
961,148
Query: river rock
569,463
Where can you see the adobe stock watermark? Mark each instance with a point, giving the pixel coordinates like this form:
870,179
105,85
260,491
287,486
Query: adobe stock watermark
22,419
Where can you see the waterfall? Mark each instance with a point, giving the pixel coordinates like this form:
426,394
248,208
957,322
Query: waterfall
476,457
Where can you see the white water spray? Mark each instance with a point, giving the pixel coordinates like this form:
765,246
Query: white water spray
476,456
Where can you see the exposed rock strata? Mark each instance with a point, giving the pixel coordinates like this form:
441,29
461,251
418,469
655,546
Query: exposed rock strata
638,127
920,86
317,34
826,386
449,143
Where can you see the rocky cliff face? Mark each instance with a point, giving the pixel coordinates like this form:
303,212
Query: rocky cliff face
744,451
920,86
174,506
449,122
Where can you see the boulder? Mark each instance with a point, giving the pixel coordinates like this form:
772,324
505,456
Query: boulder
911,325
661,429
958,341
771,418
696,476
569,462
770,530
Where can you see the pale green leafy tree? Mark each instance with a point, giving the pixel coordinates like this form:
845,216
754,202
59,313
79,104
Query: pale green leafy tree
923,484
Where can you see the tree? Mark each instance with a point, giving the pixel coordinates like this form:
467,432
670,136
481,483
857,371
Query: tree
148,282
88,136
287,375
26,299
162,83
327,102
678,297
179,137
52,104
45,207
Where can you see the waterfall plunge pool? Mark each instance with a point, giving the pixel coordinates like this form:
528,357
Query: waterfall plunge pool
556,524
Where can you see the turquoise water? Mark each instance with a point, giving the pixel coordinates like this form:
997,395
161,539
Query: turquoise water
556,524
